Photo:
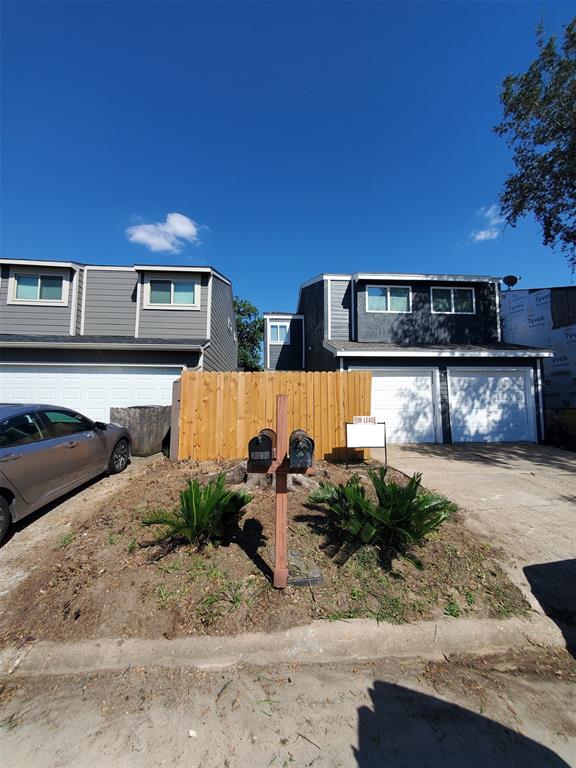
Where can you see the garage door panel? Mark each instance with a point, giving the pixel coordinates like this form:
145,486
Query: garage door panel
491,406
406,402
92,390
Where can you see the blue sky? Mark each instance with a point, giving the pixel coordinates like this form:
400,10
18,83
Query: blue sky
298,137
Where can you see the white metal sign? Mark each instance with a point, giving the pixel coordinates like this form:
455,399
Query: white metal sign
366,434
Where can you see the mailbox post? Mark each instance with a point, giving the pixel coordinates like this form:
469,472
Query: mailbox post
292,455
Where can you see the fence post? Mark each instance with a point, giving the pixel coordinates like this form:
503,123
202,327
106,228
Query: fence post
175,420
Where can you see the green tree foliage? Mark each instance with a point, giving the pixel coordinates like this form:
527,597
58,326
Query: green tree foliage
250,325
539,125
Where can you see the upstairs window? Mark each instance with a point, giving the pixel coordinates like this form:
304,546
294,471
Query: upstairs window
279,333
453,301
173,293
36,288
388,298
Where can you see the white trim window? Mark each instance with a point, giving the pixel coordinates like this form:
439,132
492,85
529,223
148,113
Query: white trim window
39,288
279,332
171,292
389,298
453,301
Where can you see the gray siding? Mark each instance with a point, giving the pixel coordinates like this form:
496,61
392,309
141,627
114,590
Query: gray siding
110,303
175,323
421,326
340,292
222,354
33,318
79,301
286,357
313,305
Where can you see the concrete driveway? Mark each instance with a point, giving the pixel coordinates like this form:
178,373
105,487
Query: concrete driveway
522,497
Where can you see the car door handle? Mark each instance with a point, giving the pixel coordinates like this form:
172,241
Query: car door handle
71,444
11,457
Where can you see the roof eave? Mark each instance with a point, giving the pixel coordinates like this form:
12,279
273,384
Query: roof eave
439,352
103,345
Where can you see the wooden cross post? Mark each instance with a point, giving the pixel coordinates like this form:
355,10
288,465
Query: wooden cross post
281,540
280,467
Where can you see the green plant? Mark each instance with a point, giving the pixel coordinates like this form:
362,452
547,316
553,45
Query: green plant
204,513
111,539
66,540
400,517
452,609
470,599
132,546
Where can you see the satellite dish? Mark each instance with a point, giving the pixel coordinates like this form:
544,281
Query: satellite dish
510,281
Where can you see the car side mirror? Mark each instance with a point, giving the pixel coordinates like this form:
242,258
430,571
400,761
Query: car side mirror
100,425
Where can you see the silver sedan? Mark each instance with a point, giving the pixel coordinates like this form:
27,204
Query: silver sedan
46,451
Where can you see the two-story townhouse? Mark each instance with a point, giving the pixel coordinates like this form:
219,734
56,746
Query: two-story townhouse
93,337
441,372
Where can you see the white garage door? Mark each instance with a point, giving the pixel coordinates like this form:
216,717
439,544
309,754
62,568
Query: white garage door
488,405
90,389
407,402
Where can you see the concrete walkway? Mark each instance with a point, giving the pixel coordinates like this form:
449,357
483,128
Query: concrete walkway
522,497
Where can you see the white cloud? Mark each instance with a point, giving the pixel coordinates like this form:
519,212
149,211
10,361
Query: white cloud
494,224
169,236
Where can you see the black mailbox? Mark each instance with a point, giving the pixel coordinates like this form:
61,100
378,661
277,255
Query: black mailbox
300,449
262,448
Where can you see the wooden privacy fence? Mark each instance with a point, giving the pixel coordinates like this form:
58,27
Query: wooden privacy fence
220,412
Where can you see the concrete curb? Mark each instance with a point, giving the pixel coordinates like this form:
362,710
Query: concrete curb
319,642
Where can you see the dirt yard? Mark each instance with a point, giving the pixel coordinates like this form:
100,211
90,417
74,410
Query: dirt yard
94,580
515,709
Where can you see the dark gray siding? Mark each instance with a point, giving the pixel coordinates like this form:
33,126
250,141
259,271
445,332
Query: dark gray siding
95,356
33,318
313,305
110,308
421,326
340,309
222,354
286,357
175,323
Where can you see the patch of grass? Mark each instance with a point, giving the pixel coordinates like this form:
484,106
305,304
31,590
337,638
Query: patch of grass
170,567
165,596
66,540
391,609
470,599
508,601
227,599
452,609
132,546
111,539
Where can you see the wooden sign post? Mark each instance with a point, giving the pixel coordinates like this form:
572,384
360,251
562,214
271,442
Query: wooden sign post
280,467
281,538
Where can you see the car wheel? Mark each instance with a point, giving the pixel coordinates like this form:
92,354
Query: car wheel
5,518
120,457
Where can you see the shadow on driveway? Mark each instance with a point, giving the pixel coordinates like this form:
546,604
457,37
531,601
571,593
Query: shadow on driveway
408,729
554,586
504,455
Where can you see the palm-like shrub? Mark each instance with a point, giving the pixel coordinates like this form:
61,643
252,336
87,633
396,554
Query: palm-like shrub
400,517
205,512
